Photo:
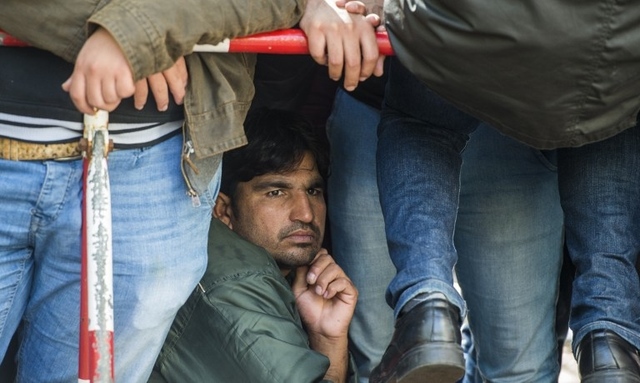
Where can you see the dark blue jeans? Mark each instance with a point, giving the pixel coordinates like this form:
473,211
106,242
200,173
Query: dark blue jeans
420,141
600,191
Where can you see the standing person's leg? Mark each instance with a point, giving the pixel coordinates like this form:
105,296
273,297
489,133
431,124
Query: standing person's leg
493,164
600,190
509,238
418,162
21,186
159,251
357,227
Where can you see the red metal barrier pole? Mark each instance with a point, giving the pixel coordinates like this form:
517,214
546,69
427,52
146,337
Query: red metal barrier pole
96,358
10,41
83,356
285,41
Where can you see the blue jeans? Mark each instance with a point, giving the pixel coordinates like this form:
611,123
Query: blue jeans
159,255
420,141
510,221
598,183
600,190
357,229
509,238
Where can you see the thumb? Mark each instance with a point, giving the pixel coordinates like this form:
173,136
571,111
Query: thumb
66,85
300,285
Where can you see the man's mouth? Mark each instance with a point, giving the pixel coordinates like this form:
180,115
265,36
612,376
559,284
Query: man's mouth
302,236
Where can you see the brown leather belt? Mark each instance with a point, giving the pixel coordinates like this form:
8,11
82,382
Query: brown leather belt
28,151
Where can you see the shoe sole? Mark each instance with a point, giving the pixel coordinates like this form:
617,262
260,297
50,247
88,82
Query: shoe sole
435,363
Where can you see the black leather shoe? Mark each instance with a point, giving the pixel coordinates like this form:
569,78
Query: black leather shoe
604,357
425,346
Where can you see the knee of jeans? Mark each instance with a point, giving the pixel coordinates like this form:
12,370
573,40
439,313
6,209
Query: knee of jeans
158,302
162,283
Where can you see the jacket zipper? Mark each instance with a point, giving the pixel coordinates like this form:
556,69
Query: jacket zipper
187,150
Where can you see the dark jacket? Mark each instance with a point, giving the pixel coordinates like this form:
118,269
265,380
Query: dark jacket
240,324
551,73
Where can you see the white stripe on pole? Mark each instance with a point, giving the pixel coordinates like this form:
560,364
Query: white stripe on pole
221,47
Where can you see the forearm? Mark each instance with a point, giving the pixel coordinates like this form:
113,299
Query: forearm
337,352
154,34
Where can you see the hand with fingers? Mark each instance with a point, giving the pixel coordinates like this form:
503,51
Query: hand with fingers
102,78
342,36
325,296
171,82
326,299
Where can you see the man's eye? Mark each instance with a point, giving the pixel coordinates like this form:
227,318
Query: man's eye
315,192
274,193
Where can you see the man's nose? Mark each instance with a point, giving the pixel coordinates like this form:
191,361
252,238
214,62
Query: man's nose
302,209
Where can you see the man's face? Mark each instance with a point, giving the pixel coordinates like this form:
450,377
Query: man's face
283,213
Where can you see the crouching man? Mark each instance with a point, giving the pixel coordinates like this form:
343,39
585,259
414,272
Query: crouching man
273,306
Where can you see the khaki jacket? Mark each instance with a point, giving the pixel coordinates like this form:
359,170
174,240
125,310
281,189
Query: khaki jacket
551,73
153,34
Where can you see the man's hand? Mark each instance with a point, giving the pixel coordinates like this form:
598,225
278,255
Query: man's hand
325,297
102,77
172,80
341,37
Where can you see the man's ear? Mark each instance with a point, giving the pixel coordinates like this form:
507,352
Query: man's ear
222,209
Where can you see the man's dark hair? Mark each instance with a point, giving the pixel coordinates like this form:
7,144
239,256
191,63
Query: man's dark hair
278,140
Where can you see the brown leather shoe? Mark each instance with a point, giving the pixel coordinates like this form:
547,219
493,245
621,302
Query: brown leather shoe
604,357
425,346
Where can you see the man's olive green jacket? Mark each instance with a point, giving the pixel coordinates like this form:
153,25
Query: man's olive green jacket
551,73
240,324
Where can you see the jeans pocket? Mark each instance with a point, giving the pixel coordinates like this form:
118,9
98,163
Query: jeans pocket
548,158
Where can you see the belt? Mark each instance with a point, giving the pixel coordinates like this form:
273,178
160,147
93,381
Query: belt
28,151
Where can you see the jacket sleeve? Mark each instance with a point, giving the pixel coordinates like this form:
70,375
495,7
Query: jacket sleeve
154,33
243,330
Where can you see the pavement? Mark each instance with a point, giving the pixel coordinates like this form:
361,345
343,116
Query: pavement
569,370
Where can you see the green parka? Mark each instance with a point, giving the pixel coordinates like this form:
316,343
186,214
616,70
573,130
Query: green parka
240,324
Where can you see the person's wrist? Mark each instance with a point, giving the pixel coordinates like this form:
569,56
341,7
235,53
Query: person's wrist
323,341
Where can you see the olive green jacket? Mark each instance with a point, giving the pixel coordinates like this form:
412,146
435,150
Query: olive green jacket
240,324
551,73
153,34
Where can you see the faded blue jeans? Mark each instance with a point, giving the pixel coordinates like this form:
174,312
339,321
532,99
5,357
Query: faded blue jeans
509,238
159,253
358,239
508,234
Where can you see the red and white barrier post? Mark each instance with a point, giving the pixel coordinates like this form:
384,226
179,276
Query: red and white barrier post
96,309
